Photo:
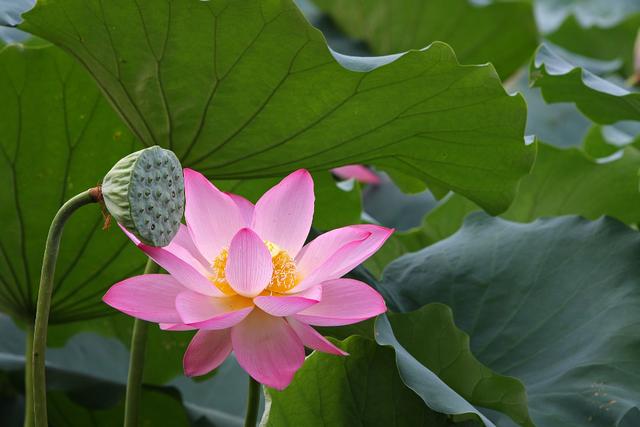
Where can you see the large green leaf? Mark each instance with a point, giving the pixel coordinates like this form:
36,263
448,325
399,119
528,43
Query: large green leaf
92,370
501,32
604,141
58,136
157,407
568,182
562,182
264,95
363,389
602,29
589,13
158,370
335,206
86,380
599,99
616,42
631,418
561,125
553,303
439,223
388,205
435,361
219,401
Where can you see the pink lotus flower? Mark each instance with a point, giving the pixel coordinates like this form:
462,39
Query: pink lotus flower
358,172
240,275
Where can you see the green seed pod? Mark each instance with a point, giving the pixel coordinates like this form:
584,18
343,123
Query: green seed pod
144,192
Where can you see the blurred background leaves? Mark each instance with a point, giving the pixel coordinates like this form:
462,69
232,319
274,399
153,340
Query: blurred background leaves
549,302
54,119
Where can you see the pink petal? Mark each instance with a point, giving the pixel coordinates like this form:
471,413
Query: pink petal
206,351
316,252
283,214
358,172
313,339
333,254
268,349
181,246
190,275
245,206
212,216
176,327
149,297
286,305
344,301
206,312
130,235
249,266
184,247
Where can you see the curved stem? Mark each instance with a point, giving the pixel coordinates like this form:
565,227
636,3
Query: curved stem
43,305
253,400
28,379
136,363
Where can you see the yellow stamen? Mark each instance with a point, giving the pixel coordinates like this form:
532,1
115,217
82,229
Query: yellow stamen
219,278
284,278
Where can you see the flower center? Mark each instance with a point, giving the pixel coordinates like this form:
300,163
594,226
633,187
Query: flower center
283,278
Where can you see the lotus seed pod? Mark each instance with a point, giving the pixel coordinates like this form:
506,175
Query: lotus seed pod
144,192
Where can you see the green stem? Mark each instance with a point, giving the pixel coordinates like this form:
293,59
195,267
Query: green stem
136,363
28,379
43,305
253,400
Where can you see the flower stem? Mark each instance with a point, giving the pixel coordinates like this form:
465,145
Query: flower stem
28,379
136,363
253,400
43,306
